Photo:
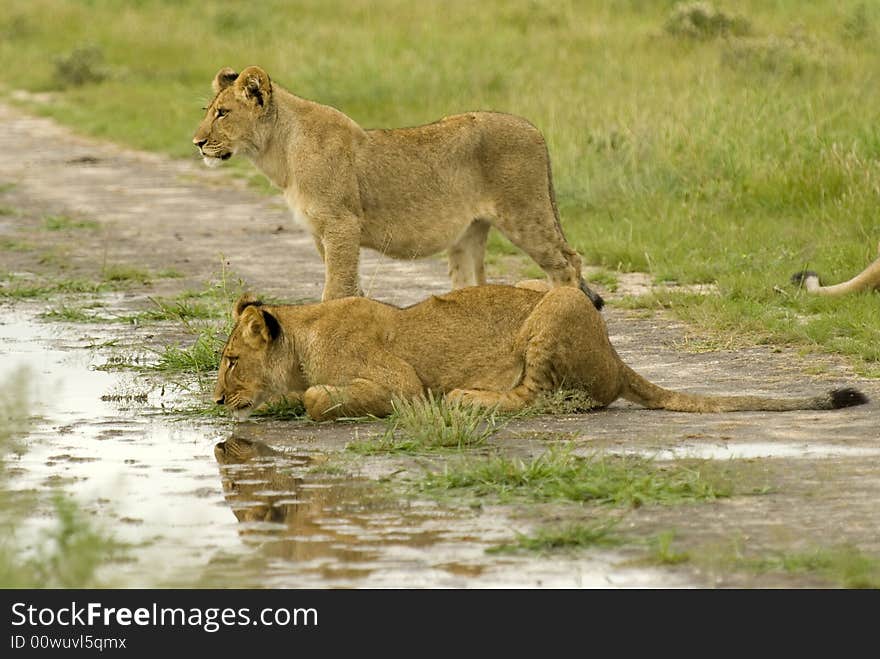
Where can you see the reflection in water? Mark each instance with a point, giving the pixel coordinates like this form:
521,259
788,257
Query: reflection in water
304,528
322,525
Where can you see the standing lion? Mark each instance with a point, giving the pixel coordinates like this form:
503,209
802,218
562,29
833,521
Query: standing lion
407,192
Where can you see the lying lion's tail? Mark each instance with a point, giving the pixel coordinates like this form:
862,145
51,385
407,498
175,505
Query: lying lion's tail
641,391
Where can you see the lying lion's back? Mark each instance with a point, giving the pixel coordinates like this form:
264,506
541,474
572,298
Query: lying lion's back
466,338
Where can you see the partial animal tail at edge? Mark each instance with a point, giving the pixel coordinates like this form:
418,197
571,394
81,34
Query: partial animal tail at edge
642,391
867,279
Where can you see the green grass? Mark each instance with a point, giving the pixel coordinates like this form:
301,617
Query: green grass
69,314
71,550
562,401
609,280
13,245
64,223
845,566
662,552
17,288
202,356
124,273
558,474
734,156
431,424
568,537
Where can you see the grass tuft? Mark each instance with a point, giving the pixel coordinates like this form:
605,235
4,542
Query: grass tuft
662,552
572,536
71,552
64,223
844,565
200,357
561,402
79,67
431,424
701,20
124,273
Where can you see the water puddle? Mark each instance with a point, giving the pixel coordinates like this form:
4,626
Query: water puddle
752,450
201,505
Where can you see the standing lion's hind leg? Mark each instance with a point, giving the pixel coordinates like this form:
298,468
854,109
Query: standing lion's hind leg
467,255
550,251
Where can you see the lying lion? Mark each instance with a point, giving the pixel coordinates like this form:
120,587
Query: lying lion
491,346
406,192
867,279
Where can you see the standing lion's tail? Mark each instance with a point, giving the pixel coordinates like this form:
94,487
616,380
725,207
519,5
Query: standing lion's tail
641,391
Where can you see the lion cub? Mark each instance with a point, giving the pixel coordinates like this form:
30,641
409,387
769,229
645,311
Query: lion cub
491,346
407,192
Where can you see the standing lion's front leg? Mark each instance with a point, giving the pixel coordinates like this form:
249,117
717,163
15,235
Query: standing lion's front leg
341,240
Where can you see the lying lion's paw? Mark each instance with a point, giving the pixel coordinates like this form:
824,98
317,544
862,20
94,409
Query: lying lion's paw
320,401
473,397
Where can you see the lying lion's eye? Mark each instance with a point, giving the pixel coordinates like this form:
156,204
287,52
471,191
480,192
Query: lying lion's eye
222,112
231,361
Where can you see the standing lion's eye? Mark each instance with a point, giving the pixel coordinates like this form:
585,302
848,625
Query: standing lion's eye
222,112
230,362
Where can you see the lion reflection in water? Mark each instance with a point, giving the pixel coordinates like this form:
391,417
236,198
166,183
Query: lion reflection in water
261,486
335,527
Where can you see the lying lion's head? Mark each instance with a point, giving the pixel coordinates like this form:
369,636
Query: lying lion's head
232,119
246,378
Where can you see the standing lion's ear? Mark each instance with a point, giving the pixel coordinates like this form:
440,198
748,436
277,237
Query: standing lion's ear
223,79
254,83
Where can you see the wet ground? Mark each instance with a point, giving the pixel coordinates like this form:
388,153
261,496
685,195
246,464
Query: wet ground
280,503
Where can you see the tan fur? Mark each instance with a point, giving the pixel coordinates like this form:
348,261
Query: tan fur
867,279
408,192
485,345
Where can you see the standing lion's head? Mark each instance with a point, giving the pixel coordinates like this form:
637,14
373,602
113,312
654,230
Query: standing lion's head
233,118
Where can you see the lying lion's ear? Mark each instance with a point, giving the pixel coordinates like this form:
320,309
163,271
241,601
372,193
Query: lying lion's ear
255,85
246,300
273,327
261,327
223,79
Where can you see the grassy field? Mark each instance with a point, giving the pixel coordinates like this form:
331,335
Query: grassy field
736,153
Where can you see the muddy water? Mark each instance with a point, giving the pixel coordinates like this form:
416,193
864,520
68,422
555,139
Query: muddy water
202,502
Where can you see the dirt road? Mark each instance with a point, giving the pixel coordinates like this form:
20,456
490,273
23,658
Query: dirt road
819,473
